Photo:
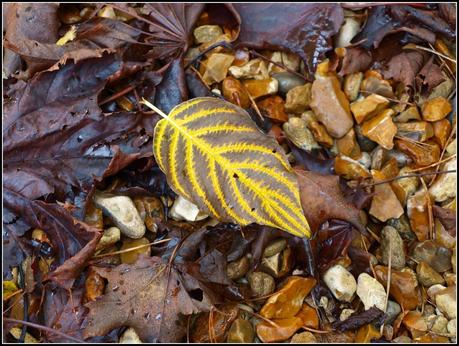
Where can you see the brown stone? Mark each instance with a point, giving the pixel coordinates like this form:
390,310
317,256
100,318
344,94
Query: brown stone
309,316
318,131
351,85
368,107
427,276
422,155
415,323
131,257
431,338
381,129
331,106
297,131
94,216
289,299
416,130
404,188
255,68
436,109
234,92
241,331
390,168
274,108
303,338
373,84
207,33
282,329
298,99
385,204
348,145
94,286
418,214
403,286
367,333
151,211
216,67
259,88
441,130
411,113
350,169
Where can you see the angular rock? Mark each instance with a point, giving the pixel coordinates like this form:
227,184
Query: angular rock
130,336
283,329
235,92
351,85
241,331
405,187
123,213
411,113
438,257
259,88
254,69
373,84
287,81
261,284
238,269
298,99
348,145
418,213
403,286
207,33
297,131
331,106
381,129
451,326
436,109
422,155
350,169
370,292
216,67
389,235
341,283
288,300
274,108
368,107
415,323
182,209
287,59
345,313
442,131
318,131
446,302
402,224
275,247
385,204
427,276
416,130
445,185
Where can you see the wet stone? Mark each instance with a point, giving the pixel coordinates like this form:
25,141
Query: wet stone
442,131
303,338
287,81
274,107
405,187
285,328
275,247
350,169
352,85
365,143
438,257
111,236
427,276
216,67
297,131
259,88
255,68
411,113
207,33
376,85
436,109
445,185
261,283
298,99
370,292
348,146
391,240
381,129
385,204
368,107
415,130
392,311
418,214
241,331
402,224
234,92
319,132
415,323
340,282
238,269
132,256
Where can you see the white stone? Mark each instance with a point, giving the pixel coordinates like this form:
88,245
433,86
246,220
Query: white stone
111,236
122,211
451,327
433,290
185,210
445,186
340,282
348,30
371,292
345,314
255,68
130,337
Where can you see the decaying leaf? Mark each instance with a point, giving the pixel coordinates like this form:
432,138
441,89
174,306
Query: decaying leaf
148,296
322,200
215,156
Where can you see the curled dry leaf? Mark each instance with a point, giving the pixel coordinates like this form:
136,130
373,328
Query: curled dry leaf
205,141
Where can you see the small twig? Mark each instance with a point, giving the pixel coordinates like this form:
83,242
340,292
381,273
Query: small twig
316,330
408,176
200,77
254,105
278,65
434,164
373,235
47,329
132,248
118,94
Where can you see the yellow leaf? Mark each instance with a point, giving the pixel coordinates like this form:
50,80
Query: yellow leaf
214,155
69,36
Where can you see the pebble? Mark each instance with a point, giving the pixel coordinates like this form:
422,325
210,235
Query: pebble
381,129
238,269
275,247
297,131
345,313
439,325
418,214
234,92
298,99
352,85
319,132
348,30
261,283
111,236
390,235
182,209
422,156
402,224
438,257
340,282
445,186
433,290
255,68
368,107
451,327
365,143
241,331
442,131
415,323
130,336
419,131
450,279
288,301
207,33
405,187
370,292
436,109
402,340
411,113
259,88
403,286
284,329
289,60
123,213
131,257
303,338
365,160
385,204
376,85
331,106
392,311
216,67
274,107
350,169
427,276
287,81
151,211
348,145
446,301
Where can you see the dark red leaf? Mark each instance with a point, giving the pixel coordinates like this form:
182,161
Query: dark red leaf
358,319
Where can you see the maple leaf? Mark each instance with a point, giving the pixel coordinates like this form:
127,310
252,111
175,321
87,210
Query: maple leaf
148,296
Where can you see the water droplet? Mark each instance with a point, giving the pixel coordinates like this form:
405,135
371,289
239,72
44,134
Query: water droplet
79,139
158,317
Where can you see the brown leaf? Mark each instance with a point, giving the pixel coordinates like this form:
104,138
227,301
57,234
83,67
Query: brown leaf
322,200
304,29
429,77
404,67
358,319
148,296
356,59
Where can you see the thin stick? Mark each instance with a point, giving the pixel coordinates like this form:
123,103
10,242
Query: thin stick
316,330
414,46
429,208
12,294
254,105
118,94
408,176
132,248
47,329
434,164
278,65
373,235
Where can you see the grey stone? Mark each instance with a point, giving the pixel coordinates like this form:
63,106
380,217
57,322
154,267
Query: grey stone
287,81
395,250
